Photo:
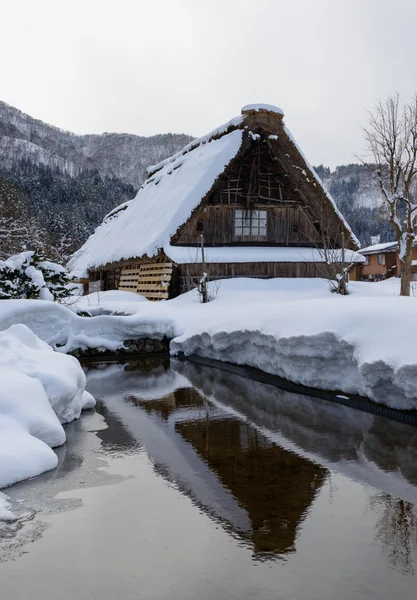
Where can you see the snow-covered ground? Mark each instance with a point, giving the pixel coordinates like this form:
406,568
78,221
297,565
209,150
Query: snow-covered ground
40,389
363,343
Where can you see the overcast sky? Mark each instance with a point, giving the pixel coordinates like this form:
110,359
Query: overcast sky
154,66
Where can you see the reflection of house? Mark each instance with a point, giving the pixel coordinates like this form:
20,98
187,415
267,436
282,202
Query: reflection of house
275,487
381,262
259,491
246,189
334,436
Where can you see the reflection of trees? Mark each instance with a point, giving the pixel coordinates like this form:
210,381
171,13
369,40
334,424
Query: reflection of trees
397,531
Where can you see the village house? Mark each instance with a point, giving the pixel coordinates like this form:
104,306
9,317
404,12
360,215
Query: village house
241,201
381,262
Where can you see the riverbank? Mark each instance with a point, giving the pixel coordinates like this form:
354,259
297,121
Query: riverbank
40,391
361,344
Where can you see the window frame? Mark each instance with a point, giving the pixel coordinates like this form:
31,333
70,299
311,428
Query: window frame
250,225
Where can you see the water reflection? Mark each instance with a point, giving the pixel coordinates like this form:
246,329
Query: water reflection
116,439
366,447
396,531
276,487
255,458
273,487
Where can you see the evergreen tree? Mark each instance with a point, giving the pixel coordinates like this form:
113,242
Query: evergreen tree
29,275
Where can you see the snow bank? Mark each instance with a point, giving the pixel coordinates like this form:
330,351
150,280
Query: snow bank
64,330
111,302
40,390
363,343
354,344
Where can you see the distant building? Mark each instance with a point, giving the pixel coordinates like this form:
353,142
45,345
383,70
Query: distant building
245,190
381,262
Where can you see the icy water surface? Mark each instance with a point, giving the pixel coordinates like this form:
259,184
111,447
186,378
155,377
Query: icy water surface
191,483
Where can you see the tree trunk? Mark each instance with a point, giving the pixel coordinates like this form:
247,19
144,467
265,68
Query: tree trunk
342,286
405,269
405,279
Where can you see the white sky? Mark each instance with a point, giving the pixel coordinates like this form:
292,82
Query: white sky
153,66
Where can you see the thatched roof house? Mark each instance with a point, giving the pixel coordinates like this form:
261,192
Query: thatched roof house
246,189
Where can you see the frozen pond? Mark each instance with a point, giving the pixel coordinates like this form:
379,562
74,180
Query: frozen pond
192,483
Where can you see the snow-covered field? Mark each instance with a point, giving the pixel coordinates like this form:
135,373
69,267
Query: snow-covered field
363,343
40,390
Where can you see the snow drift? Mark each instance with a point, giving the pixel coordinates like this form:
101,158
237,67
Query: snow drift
363,343
40,390
355,344
64,330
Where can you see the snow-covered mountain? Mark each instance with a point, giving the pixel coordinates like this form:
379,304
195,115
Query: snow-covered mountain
66,183
120,155
357,194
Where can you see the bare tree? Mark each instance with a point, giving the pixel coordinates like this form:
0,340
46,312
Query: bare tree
391,138
329,241
11,236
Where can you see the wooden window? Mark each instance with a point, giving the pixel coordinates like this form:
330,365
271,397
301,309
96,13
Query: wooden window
381,259
367,261
250,224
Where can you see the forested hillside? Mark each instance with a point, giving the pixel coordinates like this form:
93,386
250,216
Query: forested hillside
60,185
356,193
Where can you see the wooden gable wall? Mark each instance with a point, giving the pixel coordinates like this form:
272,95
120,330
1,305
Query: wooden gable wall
253,181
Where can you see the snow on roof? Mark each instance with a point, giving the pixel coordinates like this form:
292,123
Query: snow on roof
257,107
174,188
387,247
235,122
116,210
163,204
245,254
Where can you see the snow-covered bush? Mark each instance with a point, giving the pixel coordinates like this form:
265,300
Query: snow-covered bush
30,275
40,389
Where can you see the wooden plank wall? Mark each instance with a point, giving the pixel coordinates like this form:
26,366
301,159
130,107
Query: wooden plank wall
286,225
190,274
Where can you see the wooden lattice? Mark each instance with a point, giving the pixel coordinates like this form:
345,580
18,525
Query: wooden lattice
154,280
129,279
150,280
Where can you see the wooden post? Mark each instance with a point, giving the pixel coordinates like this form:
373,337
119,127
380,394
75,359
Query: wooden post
343,282
203,282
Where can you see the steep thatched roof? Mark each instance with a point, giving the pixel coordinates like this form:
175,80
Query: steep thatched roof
177,185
